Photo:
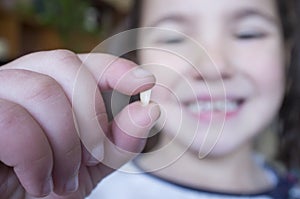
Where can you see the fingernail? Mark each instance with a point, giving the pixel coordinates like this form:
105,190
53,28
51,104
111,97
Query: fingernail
71,185
97,154
47,187
155,113
141,73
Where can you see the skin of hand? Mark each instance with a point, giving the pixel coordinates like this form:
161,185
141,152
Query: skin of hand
42,151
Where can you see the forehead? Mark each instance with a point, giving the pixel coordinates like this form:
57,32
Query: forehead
154,10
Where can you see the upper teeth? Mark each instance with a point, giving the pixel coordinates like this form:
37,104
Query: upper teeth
224,106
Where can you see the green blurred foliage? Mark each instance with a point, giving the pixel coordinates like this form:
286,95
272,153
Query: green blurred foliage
66,15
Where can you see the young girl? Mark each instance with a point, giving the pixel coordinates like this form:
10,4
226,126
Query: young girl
221,70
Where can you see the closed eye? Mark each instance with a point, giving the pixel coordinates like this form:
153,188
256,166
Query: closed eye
250,36
171,41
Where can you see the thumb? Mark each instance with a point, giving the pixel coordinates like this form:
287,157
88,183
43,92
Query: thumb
129,132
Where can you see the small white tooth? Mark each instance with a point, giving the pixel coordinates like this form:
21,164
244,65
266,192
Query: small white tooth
200,107
213,106
145,97
231,106
225,106
219,105
195,108
207,106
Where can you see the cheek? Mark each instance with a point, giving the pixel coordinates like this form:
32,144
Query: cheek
264,66
268,77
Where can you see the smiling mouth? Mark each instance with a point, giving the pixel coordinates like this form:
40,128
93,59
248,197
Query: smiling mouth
205,109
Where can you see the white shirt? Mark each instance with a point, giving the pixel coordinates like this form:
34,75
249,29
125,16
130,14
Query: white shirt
130,183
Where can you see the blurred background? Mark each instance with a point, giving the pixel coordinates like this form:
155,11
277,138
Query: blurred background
78,25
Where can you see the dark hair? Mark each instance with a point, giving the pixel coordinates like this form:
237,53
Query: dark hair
289,115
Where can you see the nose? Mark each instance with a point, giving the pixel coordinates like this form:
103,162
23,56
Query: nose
212,62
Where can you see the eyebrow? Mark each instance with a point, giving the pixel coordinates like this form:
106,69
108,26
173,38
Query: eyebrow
242,14
254,12
169,18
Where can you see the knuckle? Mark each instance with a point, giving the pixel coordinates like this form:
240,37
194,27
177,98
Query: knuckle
62,53
11,113
45,89
63,56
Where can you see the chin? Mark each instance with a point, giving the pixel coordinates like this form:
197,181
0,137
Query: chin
217,152
219,148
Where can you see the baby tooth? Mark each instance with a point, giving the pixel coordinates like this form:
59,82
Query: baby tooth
145,97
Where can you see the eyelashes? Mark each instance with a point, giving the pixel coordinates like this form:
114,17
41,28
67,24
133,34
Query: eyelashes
250,36
174,41
170,41
244,36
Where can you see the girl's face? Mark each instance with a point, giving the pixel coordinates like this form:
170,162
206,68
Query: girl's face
220,81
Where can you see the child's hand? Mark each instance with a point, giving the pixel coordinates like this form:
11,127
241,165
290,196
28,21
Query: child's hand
39,144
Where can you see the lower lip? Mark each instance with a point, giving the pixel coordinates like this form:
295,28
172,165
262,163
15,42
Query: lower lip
210,116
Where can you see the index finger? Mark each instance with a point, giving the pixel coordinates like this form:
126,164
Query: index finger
114,73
